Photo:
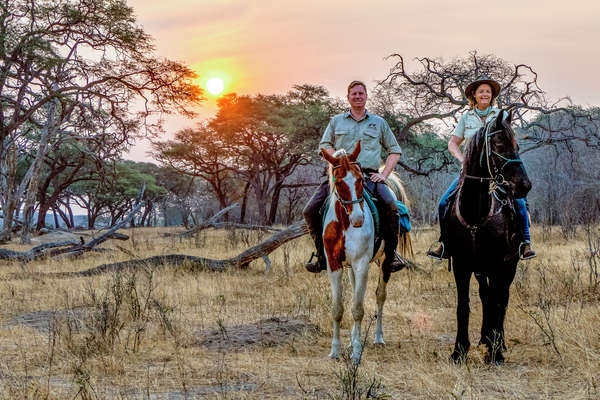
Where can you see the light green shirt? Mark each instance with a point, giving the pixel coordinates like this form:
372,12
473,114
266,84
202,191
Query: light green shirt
374,133
470,123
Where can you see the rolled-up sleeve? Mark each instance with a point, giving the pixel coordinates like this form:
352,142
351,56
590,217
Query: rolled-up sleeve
388,140
460,128
328,138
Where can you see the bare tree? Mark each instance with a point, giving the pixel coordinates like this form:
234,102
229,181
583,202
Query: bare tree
77,68
429,100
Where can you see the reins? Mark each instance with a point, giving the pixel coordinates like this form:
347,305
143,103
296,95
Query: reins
497,180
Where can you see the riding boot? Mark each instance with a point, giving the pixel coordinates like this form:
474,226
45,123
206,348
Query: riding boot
525,250
440,250
312,216
392,262
320,264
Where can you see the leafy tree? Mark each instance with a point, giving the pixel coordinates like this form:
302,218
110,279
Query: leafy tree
258,140
115,191
78,68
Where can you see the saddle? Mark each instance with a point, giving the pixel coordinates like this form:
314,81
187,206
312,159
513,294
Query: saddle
404,217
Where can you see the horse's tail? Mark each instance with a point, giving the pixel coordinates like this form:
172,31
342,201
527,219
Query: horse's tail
404,239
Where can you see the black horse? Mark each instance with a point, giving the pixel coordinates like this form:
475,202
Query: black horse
484,237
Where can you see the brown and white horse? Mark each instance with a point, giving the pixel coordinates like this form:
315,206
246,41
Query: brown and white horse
349,238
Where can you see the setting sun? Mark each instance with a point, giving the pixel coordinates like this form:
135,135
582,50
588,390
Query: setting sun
215,85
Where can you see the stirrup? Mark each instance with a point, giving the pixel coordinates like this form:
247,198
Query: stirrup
521,255
433,255
317,266
396,263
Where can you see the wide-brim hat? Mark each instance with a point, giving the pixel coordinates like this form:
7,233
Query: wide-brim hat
470,89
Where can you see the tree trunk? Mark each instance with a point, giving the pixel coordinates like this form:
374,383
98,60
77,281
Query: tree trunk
34,174
55,218
274,203
8,184
244,201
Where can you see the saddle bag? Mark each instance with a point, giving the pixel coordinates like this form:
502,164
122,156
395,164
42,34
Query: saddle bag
404,220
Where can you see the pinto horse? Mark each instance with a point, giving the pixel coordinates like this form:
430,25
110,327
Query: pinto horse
349,240
485,232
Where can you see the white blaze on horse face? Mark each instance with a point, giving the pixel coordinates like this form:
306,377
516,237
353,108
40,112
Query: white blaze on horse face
357,216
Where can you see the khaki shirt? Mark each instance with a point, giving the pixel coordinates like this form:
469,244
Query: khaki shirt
374,133
470,123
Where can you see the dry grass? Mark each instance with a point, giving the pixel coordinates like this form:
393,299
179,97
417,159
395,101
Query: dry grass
138,336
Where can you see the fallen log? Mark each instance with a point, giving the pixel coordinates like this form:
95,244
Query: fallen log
242,260
70,247
209,222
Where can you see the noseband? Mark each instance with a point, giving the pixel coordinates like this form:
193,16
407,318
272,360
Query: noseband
497,180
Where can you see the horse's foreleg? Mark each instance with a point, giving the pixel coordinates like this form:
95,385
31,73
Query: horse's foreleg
462,344
361,273
500,288
337,310
486,311
381,296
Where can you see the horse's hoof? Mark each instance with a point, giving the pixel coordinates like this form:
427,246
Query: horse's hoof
379,342
334,356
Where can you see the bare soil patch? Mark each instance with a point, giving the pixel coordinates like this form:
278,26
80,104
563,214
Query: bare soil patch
275,331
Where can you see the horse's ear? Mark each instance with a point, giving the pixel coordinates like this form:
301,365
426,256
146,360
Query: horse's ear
499,119
355,152
329,158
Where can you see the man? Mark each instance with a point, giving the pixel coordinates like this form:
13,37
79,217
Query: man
344,131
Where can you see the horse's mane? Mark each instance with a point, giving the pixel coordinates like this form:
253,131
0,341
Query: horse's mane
343,156
476,145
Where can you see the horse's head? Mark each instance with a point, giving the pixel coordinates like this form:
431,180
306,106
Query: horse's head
494,153
347,181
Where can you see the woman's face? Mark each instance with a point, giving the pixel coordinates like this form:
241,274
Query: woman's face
483,96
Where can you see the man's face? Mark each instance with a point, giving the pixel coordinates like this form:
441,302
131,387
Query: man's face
357,96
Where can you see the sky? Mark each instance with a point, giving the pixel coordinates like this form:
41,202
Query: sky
262,46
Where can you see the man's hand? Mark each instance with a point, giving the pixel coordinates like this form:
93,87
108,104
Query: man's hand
377,177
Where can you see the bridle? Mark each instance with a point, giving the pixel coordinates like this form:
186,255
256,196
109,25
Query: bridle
347,202
497,180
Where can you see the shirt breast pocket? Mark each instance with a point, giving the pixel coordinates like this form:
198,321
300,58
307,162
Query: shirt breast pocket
370,139
470,130
341,138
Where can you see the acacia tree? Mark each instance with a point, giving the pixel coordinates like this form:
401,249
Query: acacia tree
259,140
431,98
270,136
77,68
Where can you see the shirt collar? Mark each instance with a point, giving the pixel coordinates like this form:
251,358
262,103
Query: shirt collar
347,114
494,111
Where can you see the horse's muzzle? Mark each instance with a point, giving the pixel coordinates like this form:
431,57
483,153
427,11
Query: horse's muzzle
357,221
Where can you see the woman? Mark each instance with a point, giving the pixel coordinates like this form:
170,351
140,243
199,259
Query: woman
481,94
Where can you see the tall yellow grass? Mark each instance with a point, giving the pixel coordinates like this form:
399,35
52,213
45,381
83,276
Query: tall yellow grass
552,327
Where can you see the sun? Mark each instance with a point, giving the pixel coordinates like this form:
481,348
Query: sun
215,86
